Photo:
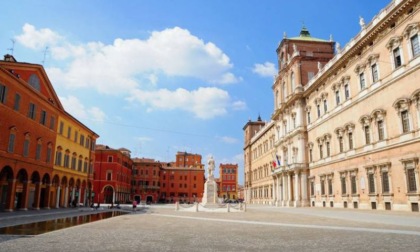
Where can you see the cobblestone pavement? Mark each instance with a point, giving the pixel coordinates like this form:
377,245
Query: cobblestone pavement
261,228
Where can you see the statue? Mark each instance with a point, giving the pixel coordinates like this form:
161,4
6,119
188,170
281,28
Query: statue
362,22
211,166
337,47
294,48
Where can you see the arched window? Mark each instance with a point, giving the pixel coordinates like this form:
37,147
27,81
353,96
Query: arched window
38,149
26,144
292,81
58,156
12,138
34,82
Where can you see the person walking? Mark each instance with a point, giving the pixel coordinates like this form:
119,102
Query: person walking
134,205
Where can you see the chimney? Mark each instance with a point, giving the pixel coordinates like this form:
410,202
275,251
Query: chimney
9,58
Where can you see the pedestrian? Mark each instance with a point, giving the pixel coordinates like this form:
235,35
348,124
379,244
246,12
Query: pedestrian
134,205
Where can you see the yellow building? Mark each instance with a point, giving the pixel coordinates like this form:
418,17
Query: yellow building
259,157
347,119
74,157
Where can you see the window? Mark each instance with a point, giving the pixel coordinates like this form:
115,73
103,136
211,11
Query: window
310,155
80,164
85,166
341,144
26,146
415,47
322,187
367,134
405,121
397,57
82,140
110,159
61,128
76,136
58,157
343,185
350,140
375,74
385,182
337,97
309,117
73,162
362,81
381,130
353,185
11,146
312,188
3,93
49,151
16,106
66,160
318,109
330,188
292,81
346,91
328,148
321,154
52,122
34,82
69,132
38,151
43,118
31,112
325,106
371,180
411,180
109,176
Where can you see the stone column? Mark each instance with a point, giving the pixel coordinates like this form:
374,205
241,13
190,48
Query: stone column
274,199
25,196
297,190
289,189
66,196
57,197
10,198
304,188
37,195
284,189
47,196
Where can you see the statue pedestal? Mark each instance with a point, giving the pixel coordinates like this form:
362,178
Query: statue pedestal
210,192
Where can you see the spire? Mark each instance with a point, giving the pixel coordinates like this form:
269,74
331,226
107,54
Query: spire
304,32
259,118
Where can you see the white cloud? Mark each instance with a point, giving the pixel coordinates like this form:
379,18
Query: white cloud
172,52
228,140
144,139
265,70
238,105
74,107
37,39
204,103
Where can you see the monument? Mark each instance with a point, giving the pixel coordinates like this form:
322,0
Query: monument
210,187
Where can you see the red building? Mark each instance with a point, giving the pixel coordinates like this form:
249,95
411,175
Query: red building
228,181
185,159
146,180
112,175
182,184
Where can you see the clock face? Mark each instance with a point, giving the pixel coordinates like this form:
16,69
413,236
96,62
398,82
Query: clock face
34,82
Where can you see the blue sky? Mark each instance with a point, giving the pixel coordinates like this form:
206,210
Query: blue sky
158,77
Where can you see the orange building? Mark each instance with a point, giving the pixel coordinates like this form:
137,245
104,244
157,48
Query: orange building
112,175
145,180
228,181
30,111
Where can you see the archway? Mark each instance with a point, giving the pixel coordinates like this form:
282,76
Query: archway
46,194
22,190
6,186
108,194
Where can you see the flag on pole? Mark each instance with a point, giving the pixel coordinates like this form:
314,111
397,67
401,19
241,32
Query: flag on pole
278,160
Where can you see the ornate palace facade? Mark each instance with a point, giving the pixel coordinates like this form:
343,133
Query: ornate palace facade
347,120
